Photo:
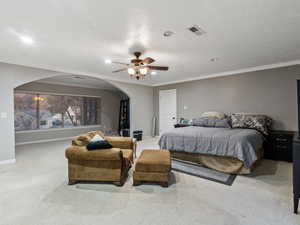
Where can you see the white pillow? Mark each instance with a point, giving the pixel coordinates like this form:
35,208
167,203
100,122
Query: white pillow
97,137
219,115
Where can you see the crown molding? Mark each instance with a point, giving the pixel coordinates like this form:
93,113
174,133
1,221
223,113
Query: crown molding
233,72
202,77
60,70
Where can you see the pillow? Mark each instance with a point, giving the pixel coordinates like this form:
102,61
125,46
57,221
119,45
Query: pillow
94,132
258,122
211,122
268,119
219,115
81,140
98,145
97,137
222,123
84,139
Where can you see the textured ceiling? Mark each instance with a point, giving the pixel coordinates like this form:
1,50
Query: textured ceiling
77,36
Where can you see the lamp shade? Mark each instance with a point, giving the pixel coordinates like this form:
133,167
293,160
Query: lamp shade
144,70
131,71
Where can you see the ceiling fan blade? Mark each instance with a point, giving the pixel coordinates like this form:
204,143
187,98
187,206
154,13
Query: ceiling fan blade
158,67
120,70
148,60
120,63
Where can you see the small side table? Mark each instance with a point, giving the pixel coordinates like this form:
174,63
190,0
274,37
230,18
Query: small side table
279,145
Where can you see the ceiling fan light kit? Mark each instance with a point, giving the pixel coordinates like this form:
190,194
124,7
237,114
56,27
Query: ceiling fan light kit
137,72
139,68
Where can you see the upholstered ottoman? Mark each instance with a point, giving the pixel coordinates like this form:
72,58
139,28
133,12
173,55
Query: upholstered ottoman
153,166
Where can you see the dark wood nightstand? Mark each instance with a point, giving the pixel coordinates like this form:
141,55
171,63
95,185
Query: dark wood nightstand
181,125
279,146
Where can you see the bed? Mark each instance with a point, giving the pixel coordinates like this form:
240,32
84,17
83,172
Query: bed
224,149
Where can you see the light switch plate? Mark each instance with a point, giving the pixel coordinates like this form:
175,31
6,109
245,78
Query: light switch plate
3,115
185,107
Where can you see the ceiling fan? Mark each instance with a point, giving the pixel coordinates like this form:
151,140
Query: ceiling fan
138,68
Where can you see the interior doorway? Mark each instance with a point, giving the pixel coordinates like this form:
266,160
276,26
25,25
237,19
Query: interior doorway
167,109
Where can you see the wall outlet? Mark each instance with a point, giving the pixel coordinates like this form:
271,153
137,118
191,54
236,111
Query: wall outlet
3,115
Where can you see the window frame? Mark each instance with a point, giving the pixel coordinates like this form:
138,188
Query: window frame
56,94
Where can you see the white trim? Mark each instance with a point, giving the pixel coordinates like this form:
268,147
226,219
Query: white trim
77,72
169,109
43,141
61,139
77,85
9,161
207,76
20,91
57,129
233,72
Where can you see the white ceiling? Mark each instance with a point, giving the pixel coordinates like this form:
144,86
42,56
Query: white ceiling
76,36
79,81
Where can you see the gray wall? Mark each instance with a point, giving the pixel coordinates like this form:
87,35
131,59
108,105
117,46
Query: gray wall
25,137
110,100
12,76
7,150
272,92
141,106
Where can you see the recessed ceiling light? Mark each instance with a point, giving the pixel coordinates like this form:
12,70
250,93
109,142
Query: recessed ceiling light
107,61
26,40
168,33
153,73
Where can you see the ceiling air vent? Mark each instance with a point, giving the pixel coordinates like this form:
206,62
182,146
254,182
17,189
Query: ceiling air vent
197,30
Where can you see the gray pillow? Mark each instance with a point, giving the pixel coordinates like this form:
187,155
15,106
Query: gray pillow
222,123
211,122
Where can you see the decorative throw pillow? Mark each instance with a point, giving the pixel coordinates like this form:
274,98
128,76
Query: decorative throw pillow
81,140
84,139
211,122
97,137
258,122
98,145
95,132
219,115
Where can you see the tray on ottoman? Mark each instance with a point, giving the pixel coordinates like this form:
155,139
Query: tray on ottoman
153,166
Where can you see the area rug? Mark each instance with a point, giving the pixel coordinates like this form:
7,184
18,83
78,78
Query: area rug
203,172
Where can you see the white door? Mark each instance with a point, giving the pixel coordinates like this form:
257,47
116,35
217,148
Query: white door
167,110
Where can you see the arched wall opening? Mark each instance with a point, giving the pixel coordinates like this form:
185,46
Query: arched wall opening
63,106
12,76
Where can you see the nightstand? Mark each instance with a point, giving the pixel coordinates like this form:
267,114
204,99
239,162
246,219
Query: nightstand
181,125
279,146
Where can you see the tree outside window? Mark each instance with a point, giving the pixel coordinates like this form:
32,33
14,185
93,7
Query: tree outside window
39,111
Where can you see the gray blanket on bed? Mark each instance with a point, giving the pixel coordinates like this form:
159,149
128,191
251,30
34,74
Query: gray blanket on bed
237,143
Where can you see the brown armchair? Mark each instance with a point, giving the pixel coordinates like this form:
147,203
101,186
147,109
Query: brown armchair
104,165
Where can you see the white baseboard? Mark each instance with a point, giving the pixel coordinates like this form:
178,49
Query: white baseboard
43,141
9,161
62,139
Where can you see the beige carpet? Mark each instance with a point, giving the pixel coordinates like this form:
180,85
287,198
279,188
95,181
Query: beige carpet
35,191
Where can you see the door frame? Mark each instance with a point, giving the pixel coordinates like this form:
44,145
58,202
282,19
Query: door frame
159,108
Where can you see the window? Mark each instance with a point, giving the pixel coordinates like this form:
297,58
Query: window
40,111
